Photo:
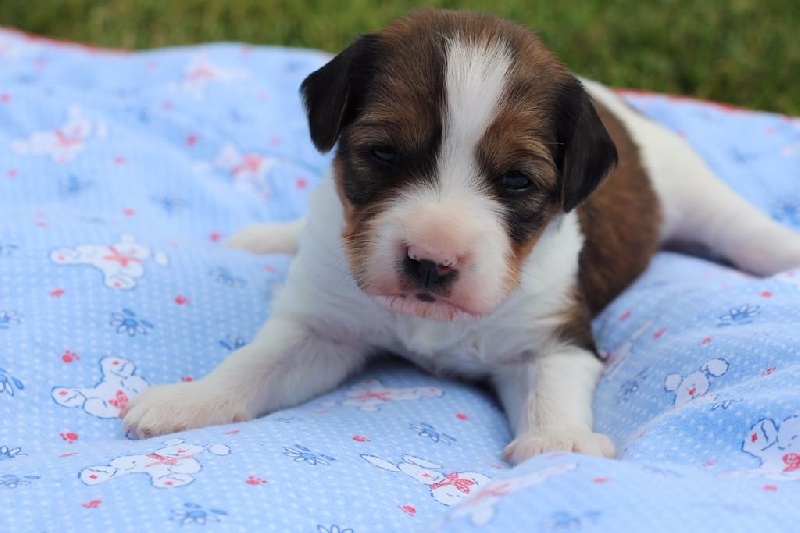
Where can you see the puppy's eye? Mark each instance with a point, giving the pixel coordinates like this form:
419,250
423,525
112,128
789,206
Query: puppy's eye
515,180
384,154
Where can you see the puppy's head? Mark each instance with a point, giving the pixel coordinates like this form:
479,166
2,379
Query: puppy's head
460,138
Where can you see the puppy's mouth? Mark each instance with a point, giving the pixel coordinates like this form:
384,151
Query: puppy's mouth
426,305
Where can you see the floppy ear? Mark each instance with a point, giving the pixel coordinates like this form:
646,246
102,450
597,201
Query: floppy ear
587,151
333,94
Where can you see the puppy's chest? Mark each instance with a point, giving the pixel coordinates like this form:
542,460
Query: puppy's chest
472,350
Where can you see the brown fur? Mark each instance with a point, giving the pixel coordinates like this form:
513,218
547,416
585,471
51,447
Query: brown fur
620,223
396,109
576,322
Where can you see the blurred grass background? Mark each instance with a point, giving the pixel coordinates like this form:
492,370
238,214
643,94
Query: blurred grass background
744,52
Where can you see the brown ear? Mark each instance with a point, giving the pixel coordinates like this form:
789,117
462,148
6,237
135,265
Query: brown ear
587,152
333,94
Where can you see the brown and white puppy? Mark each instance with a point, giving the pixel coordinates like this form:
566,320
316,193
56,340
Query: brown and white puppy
484,205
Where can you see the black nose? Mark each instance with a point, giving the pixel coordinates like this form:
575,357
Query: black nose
427,274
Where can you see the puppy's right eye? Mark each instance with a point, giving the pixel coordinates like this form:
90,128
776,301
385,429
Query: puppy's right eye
516,181
384,154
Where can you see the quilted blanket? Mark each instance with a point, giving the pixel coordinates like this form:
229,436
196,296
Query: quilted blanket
120,173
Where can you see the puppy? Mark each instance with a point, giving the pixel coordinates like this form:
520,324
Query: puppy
484,204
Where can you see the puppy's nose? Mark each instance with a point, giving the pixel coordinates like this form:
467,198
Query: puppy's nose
442,259
430,271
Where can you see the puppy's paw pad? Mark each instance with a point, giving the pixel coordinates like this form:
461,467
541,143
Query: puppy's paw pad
561,440
164,409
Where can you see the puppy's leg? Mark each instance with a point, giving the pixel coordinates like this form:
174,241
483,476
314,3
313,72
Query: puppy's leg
734,229
700,208
269,238
549,405
285,365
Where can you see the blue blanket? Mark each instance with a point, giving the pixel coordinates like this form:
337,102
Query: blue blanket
119,176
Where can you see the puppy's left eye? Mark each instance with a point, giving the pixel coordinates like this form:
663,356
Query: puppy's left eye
515,180
384,154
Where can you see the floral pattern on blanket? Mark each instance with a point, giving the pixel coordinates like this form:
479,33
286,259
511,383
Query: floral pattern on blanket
120,175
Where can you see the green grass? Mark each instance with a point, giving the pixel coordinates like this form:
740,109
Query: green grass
744,52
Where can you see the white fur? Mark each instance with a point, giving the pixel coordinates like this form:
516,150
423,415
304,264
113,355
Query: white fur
549,404
475,81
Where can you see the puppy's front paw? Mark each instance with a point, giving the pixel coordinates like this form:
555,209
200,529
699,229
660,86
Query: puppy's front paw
558,440
162,409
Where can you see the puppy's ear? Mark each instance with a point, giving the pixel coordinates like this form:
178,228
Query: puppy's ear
587,153
333,94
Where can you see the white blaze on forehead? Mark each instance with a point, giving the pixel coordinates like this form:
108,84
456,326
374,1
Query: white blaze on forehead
475,81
